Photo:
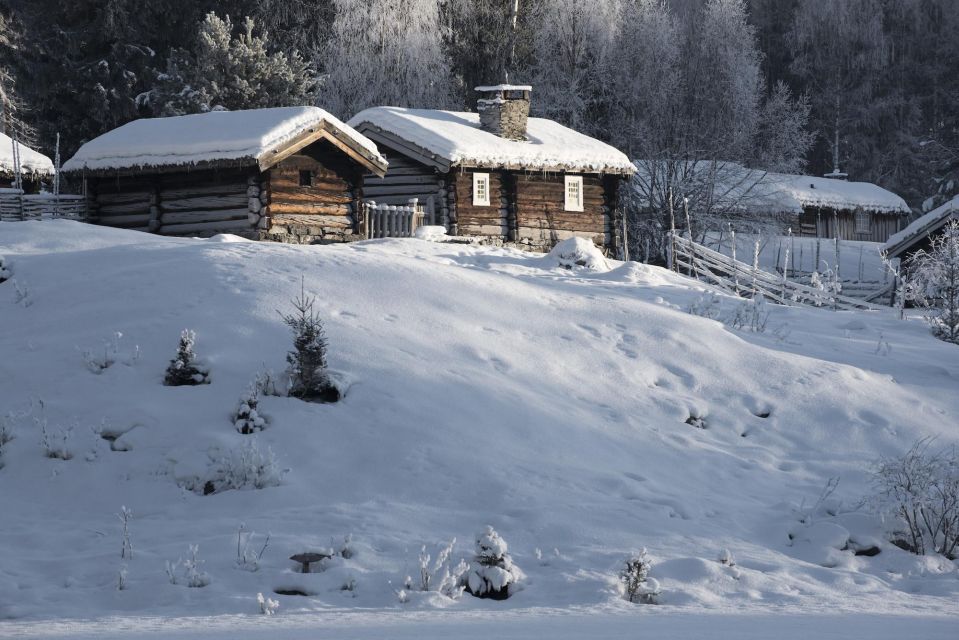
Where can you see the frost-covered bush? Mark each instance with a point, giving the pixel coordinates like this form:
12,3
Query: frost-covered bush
440,575
126,547
750,315
493,575
184,369
268,606
188,571
97,360
247,557
827,286
247,418
920,490
932,282
245,467
707,306
55,441
309,379
634,576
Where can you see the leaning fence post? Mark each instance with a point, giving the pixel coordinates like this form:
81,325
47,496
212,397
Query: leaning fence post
732,235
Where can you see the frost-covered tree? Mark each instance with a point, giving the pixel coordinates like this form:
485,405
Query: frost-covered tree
247,418
229,72
574,49
309,378
386,52
184,369
932,281
634,576
493,575
12,107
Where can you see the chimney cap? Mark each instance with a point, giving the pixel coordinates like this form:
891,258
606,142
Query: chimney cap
505,87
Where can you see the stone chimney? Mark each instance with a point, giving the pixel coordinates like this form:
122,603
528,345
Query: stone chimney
504,110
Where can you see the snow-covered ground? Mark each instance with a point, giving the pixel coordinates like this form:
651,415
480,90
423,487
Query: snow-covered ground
488,386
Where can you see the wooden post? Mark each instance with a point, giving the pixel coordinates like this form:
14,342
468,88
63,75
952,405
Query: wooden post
732,235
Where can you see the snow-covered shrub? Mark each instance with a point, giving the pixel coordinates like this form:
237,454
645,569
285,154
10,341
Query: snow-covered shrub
184,369
726,557
21,294
54,442
920,490
440,575
188,571
932,282
126,548
494,575
346,549
5,272
97,360
245,467
247,418
750,315
267,383
578,253
309,379
706,305
827,286
247,557
634,576
268,606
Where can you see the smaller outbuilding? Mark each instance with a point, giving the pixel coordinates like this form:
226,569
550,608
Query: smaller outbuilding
291,174
918,235
35,168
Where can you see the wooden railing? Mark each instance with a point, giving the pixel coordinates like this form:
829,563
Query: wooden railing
742,279
16,205
392,221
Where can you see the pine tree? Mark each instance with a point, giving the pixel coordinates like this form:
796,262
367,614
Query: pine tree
183,369
309,379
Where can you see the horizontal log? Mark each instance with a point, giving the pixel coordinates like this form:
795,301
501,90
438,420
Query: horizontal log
393,178
223,190
405,170
396,190
278,207
203,203
313,220
306,195
205,178
124,210
124,220
203,216
466,228
124,197
232,225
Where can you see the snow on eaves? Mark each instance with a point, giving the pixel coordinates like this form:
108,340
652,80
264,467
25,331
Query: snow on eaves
456,138
921,227
31,162
810,191
217,136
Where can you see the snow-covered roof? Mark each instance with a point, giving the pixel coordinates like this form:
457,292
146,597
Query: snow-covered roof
920,228
753,190
31,162
255,136
453,138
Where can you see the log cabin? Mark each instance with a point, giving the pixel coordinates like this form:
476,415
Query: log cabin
498,174
288,174
35,168
919,234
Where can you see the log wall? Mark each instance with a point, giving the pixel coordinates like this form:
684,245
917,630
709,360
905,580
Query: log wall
828,223
541,218
492,222
407,179
325,211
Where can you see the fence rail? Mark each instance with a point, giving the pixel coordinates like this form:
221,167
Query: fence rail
392,221
739,278
16,205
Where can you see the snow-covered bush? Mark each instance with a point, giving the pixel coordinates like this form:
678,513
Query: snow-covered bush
267,383
634,576
920,490
309,379
245,467
97,360
188,571
21,294
247,418
493,575
268,606
706,305
55,442
184,369
247,557
578,253
726,557
440,575
932,282
827,286
5,272
750,315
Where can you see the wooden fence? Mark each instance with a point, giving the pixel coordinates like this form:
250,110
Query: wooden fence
741,279
16,205
392,221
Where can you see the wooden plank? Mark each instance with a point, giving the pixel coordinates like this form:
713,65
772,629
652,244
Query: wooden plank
278,207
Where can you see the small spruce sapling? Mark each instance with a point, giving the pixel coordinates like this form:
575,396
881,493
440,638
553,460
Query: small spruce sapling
309,379
184,369
494,575
634,576
247,418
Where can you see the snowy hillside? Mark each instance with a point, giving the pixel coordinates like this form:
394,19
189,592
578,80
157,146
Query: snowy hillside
582,413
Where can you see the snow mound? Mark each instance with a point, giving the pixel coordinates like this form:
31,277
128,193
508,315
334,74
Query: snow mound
433,233
578,252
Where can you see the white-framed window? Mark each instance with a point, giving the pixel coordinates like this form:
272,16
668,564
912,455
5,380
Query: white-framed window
574,193
863,221
480,189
